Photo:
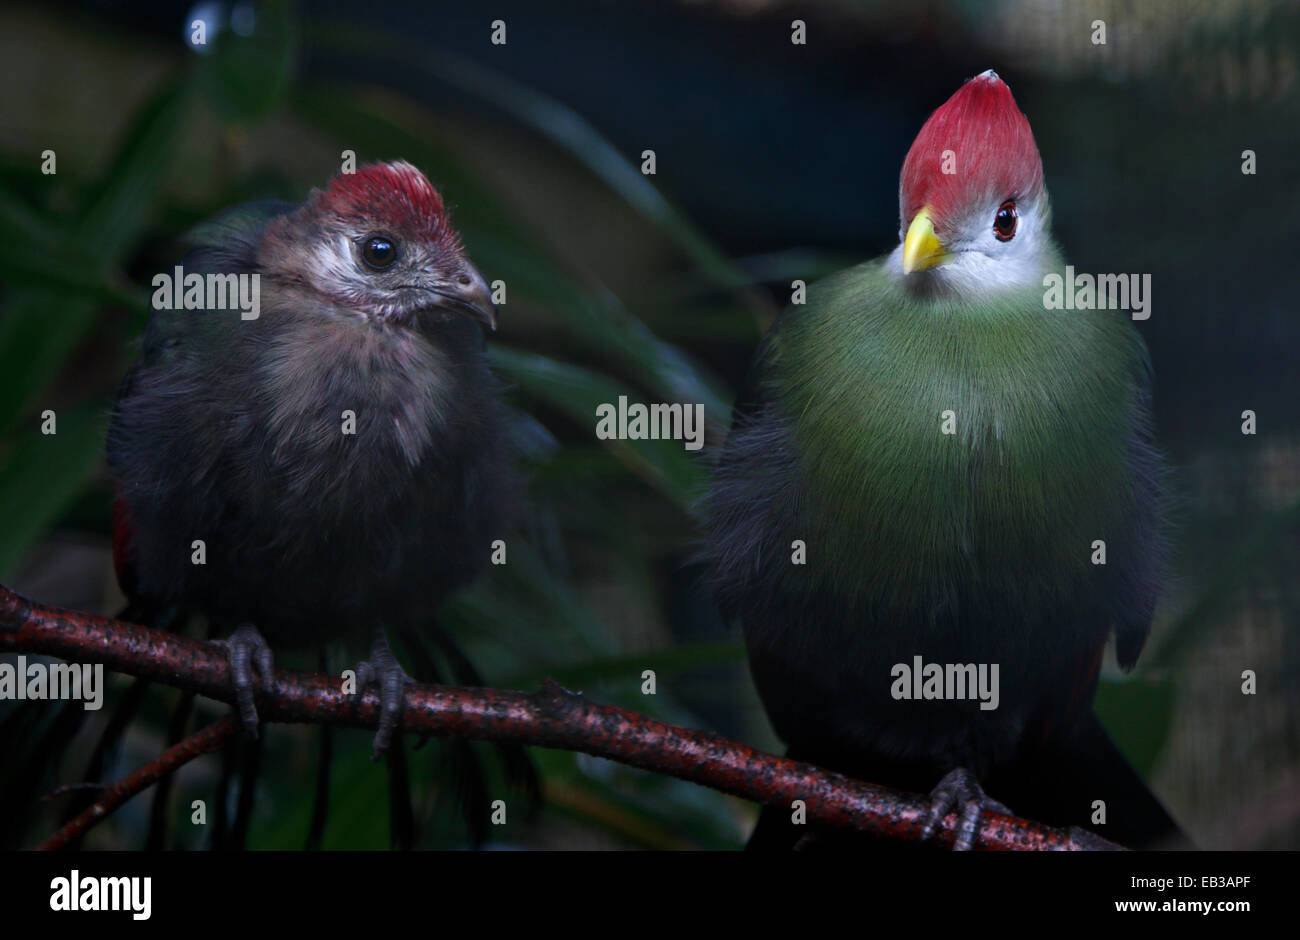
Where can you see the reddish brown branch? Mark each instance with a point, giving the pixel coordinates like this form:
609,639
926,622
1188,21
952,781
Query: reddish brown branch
552,717
201,742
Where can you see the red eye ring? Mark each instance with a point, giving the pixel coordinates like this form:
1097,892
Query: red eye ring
1005,221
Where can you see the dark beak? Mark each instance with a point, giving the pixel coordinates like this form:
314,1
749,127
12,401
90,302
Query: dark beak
469,293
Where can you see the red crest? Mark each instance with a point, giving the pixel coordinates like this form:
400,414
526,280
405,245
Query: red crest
976,148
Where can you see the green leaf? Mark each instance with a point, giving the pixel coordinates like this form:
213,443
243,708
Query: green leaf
1137,715
40,327
21,225
117,209
528,590
246,77
65,275
39,330
1244,560
577,392
40,476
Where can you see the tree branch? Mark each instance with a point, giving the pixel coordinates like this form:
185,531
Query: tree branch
202,742
551,717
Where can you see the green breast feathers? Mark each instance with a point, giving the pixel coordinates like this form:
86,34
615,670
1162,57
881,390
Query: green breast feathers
987,440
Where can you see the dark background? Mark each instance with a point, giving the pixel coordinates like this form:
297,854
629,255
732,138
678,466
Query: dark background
774,162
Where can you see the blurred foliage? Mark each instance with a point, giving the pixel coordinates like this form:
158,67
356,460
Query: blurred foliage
593,592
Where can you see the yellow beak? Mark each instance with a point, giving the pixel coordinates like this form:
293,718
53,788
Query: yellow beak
921,247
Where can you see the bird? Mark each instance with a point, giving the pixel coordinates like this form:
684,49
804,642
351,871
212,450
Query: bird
921,467
330,463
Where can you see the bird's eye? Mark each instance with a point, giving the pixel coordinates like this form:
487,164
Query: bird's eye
1004,223
379,251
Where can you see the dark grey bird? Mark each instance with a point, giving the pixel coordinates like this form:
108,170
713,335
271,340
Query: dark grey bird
334,466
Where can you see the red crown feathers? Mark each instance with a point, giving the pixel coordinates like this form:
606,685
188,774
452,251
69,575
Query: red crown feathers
395,192
991,154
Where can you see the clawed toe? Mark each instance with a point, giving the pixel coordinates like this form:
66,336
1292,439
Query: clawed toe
959,790
383,669
247,653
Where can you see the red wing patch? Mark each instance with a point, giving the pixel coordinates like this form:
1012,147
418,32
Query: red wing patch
122,530
1064,713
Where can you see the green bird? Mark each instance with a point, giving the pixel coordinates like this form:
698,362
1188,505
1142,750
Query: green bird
938,500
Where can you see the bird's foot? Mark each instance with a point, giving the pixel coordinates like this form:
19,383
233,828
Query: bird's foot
959,790
245,649
383,669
